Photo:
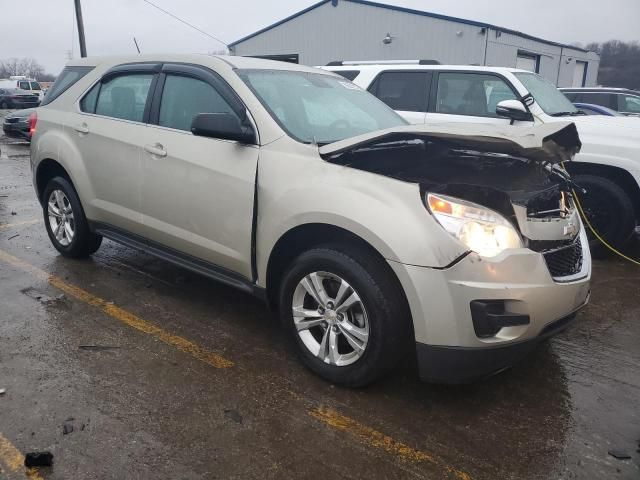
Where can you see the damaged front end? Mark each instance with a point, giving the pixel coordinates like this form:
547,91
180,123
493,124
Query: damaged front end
473,178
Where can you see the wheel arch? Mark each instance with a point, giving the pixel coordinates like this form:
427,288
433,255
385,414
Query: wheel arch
307,236
47,169
618,175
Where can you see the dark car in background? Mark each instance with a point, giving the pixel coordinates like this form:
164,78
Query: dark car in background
592,109
621,100
18,124
17,98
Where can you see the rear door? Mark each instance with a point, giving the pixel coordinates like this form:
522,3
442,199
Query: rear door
407,92
469,97
197,192
109,134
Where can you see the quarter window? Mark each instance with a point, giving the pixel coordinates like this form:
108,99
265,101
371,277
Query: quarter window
68,77
403,91
185,97
124,97
471,94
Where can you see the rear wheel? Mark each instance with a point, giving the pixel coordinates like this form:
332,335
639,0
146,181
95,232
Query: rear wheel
345,314
4,106
66,224
609,210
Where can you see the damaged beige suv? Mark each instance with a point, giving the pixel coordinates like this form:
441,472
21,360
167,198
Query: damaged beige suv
368,235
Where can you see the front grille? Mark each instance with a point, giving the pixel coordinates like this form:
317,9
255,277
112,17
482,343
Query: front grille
11,120
565,261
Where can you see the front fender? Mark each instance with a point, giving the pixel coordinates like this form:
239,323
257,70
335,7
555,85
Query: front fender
386,213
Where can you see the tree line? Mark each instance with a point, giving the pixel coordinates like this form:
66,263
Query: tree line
619,63
28,67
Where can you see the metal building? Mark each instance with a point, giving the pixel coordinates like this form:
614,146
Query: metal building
333,30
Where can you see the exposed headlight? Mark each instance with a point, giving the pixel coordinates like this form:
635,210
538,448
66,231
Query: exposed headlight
482,230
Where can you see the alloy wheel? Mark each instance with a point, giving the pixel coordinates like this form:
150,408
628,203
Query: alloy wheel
61,218
330,318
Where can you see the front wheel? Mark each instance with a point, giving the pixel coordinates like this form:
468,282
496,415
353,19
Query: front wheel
64,218
609,211
345,314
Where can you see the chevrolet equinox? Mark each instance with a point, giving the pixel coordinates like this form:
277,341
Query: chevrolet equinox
368,235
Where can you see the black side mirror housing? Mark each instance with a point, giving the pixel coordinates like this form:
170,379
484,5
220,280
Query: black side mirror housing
226,126
514,110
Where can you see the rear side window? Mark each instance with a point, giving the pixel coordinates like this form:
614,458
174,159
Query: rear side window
348,74
66,79
185,97
404,91
124,96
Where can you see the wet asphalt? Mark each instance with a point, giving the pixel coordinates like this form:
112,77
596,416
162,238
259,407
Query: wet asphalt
126,367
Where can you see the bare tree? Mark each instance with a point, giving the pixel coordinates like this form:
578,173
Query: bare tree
619,63
28,67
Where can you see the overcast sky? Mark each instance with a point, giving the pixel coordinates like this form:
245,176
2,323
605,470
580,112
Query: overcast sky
45,29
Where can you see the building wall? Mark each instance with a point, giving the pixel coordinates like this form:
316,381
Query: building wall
353,31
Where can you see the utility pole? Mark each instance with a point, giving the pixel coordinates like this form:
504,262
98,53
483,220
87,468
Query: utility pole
83,45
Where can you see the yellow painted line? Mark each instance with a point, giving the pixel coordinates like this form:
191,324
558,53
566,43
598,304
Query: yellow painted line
329,417
381,441
121,315
4,226
13,460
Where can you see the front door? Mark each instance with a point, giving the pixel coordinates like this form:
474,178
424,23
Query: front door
469,97
197,192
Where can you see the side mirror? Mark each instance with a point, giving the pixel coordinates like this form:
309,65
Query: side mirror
513,109
226,126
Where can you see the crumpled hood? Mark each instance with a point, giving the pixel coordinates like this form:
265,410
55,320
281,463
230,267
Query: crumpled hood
553,142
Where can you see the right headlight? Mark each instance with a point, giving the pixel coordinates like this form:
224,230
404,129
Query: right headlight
484,231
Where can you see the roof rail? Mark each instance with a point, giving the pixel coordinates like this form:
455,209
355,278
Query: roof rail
340,63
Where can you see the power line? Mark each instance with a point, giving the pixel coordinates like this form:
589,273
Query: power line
185,22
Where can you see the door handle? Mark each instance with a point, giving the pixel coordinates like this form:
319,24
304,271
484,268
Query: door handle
82,128
156,149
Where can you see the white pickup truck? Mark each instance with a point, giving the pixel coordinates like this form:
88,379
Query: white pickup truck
607,167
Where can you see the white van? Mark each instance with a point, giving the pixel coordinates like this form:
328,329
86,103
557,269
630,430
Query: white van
24,83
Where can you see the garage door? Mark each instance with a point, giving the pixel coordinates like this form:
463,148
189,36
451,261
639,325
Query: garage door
579,74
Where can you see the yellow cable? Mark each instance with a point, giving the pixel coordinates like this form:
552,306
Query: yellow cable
593,230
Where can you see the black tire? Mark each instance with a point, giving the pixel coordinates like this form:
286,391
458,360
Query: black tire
609,210
4,106
84,242
390,329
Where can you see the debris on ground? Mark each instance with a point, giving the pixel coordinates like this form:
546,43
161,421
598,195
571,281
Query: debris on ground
233,415
13,213
67,428
13,236
3,391
38,459
41,297
97,348
619,454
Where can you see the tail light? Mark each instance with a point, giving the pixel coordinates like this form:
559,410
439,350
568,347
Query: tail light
33,120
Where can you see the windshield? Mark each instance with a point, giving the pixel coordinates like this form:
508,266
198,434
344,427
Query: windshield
318,108
550,99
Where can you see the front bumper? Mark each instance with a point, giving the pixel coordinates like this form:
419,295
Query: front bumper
449,347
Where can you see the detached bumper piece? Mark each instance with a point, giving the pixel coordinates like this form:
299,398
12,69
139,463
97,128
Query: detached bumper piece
459,365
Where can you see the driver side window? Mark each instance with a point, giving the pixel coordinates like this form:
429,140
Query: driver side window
473,94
